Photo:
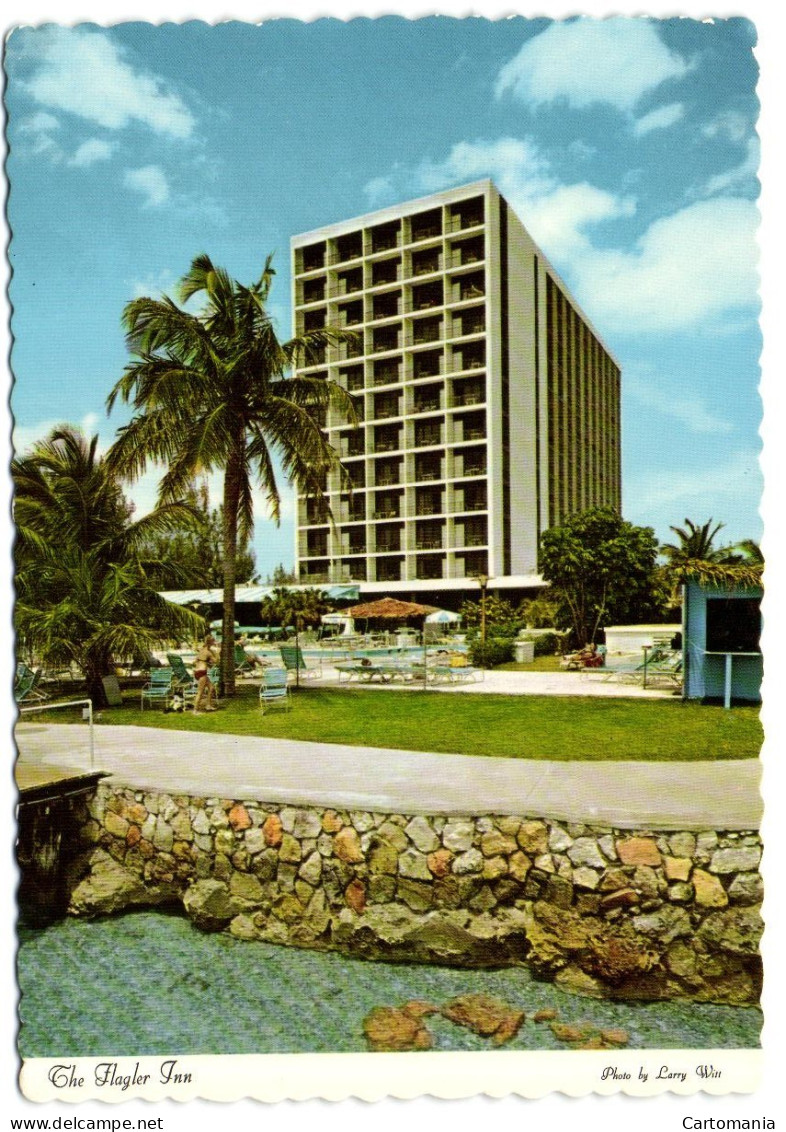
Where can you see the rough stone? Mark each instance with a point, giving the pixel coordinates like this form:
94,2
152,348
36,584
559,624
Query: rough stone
708,890
224,842
331,821
469,862
415,893
682,844
645,881
586,878
458,836
741,860
239,818
116,825
273,831
638,851
585,851
509,825
307,824
411,863
391,1030
243,927
210,905
381,889
680,892
288,909
533,838
495,844
620,898
746,888
494,867
665,925
545,863
346,845
606,843
439,862
393,835
361,820
109,887
422,835
311,869
677,868
519,865
289,851
355,895
559,839
735,930
484,1015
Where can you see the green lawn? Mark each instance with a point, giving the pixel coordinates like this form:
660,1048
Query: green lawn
525,727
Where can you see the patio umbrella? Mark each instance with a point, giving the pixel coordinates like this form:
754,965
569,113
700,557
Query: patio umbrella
442,617
393,609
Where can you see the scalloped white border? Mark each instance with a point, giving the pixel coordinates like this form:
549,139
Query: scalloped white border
481,1077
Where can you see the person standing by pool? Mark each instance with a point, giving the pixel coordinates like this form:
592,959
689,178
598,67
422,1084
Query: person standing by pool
205,659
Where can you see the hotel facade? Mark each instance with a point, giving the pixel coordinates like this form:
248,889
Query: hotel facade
488,407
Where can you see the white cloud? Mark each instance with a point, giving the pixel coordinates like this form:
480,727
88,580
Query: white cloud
659,119
731,482
695,266
90,151
378,190
668,397
25,436
742,175
729,125
587,61
39,123
83,72
151,182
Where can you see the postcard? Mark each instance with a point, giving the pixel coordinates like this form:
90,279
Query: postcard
388,558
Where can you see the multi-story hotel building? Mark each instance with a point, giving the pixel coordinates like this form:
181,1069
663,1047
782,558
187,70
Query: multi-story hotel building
489,409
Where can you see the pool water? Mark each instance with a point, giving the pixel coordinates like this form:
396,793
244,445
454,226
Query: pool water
147,983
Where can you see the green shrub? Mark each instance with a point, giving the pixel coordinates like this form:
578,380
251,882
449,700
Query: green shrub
547,644
497,650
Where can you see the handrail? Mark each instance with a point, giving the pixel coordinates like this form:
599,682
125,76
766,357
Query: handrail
70,703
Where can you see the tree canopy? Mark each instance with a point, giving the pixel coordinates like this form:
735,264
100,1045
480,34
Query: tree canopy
602,571
83,590
213,391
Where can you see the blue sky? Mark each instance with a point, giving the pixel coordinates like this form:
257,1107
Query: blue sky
628,148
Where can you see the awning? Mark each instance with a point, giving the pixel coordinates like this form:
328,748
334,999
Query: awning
255,593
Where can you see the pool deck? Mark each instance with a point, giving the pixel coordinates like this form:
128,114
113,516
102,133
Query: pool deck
720,795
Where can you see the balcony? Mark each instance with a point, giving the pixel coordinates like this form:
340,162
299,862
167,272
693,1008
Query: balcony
467,252
347,350
385,237
386,306
387,375
427,437
387,441
384,342
427,364
313,256
349,247
425,330
350,314
426,263
348,282
469,287
427,404
427,295
426,225
388,271
428,470
313,291
388,571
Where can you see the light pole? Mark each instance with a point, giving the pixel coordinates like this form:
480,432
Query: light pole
483,582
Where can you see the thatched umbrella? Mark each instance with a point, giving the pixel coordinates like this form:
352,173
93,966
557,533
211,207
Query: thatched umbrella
393,609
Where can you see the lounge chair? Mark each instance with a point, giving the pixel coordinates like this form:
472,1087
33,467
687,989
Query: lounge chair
294,661
26,686
274,689
243,666
183,681
160,688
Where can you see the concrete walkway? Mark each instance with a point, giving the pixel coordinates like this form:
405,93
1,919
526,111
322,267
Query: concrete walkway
689,795
526,684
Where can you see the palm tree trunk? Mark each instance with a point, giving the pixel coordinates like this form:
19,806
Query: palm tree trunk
231,500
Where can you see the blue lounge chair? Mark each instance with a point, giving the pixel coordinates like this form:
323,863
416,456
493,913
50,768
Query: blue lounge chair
159,689
274,689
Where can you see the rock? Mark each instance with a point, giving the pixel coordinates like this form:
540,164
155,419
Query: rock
572,978
288,909
519,865
646,882
311,869
532,837
306,825
559,839
742,860
708,890
565,1032
683,844
682,960
680,893
209,905
439,862
606,844
381,889
665,925
509,825
273,831
422,835
495,844
393,835
265,864
413,864
586,878
585,851
110,887
246,888
558,891
638,851
469,862
620,898
458,836
391,1030
116,825
243,927
547,1014
614,1037
289,851
355,895
361,820
201,823
484,1015
416,894
417,1008
736,930
494,868
254,841
545,863
746,888
346,845
677,868
239,818
616,957
331,822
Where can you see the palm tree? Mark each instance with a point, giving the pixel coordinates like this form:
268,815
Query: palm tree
696,544
211,391
83,593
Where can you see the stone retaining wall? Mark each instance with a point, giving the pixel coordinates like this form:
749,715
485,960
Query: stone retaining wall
603,911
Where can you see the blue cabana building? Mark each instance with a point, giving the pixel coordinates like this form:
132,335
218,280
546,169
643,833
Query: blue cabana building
721,627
